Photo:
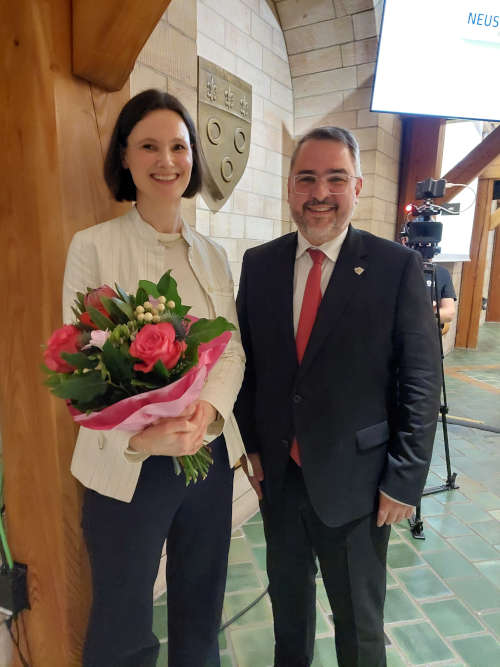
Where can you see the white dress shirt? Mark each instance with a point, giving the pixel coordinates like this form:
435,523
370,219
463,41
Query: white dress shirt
303,264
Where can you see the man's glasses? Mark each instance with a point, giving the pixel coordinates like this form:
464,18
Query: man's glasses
305,184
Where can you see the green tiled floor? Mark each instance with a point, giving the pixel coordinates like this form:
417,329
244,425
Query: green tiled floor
443,597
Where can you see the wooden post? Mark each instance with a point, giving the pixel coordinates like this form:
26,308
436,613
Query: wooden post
421,157
493,312
53,141
471,292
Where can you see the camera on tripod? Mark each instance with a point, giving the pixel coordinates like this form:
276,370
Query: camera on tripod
423,233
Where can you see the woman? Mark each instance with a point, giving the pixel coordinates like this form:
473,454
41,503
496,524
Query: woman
134,500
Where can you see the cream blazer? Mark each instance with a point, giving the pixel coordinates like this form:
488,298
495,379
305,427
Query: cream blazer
126,250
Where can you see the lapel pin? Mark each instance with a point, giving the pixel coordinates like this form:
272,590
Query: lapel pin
358,270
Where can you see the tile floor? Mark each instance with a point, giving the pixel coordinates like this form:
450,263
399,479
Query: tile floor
443,594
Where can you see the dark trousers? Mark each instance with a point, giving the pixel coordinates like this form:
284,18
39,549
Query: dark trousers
124,542
352,559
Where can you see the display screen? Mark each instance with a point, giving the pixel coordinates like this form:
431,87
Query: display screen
439,58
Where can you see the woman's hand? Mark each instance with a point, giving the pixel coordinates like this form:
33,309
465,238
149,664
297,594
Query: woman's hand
176,436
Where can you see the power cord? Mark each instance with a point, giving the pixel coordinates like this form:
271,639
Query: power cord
15,641
244,611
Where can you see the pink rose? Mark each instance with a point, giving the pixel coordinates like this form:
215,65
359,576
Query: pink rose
156,342
65,339
97,339
93,299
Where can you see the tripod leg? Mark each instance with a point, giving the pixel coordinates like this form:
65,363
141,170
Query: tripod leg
417,525
450,477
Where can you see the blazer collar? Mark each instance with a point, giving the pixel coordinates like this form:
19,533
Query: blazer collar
349,272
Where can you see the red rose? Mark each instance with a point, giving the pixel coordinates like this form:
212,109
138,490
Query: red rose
65,339
156,342
93,300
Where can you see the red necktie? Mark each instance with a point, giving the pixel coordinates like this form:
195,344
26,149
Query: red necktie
310,305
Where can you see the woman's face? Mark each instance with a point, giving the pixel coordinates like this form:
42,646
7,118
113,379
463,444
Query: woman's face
159,156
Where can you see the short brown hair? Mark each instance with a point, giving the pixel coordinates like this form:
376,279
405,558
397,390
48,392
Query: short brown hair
119,179
332,133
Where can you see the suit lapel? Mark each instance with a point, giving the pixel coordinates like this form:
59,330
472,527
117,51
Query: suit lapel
280,290
339,292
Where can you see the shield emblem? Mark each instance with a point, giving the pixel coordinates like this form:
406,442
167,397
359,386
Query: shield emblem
224,124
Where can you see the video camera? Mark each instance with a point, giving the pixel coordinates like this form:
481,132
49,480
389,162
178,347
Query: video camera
423,233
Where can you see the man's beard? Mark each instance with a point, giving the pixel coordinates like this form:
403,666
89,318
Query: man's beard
314,233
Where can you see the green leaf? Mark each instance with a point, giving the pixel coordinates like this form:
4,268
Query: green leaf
147,385
126,297
76,312
115,313
167,286
160,369
150,288
84,387
167,283
53,378
141,296
126,308
80,301
191,355
118,365
79,360
100,320
205,330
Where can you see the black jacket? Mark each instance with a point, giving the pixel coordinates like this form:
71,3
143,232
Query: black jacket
364,402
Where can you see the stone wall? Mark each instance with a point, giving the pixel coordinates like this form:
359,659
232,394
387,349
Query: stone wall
245,38
332,48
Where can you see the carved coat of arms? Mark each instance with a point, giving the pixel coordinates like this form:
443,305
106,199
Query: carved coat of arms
224,124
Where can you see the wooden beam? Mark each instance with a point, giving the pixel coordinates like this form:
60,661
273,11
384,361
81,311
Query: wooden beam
54,132
108,36
471,293
421,157
473,164
493,311
495,219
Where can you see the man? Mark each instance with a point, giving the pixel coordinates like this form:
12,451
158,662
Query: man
338,407
445,292
444,288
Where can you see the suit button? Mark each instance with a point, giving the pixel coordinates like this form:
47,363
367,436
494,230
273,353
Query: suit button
297,398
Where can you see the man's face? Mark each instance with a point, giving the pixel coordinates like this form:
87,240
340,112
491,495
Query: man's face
320,215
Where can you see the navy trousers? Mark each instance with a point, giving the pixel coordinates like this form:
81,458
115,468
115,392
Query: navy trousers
124,542
352,559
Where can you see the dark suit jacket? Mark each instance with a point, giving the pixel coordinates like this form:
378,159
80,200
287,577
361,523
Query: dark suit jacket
364,402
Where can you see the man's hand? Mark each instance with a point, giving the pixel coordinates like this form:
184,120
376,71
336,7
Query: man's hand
176,436
390,511
258,473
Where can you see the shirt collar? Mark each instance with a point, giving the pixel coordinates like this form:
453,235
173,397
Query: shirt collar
148,233
330,248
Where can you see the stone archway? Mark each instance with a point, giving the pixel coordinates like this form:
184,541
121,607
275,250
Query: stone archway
332,48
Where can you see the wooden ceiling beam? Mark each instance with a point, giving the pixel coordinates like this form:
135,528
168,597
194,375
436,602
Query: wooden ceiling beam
108,36
473,164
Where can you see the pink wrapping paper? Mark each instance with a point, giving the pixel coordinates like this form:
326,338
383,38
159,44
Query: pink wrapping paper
135,413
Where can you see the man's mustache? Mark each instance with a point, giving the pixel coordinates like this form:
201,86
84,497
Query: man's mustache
317,202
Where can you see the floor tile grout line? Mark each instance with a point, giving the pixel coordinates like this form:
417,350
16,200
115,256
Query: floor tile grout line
425,617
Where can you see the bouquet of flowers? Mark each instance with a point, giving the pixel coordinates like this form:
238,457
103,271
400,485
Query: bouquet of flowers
131,359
